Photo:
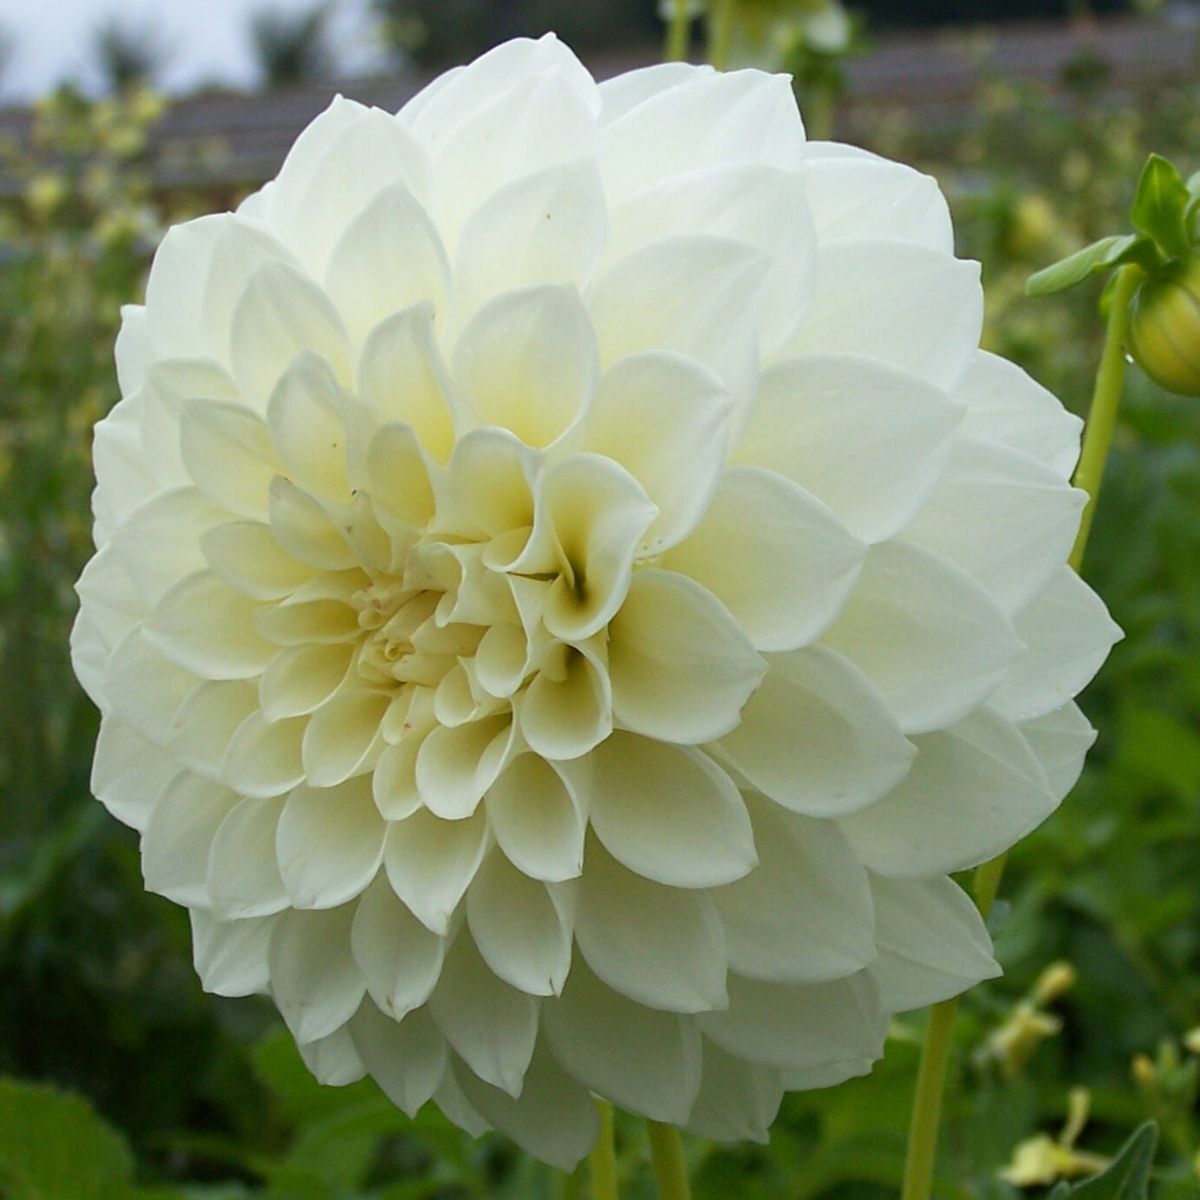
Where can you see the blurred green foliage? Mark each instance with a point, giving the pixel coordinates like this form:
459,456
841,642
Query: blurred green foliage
168,1093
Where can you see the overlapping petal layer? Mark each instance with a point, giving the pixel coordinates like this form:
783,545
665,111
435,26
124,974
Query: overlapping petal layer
569,588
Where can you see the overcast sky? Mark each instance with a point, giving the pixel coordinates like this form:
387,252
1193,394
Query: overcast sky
205,40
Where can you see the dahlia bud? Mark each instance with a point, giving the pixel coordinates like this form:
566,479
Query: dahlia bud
1164,327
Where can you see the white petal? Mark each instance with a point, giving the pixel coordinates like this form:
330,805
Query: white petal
932,942
761,206
669,813
282,313
1031,519
739,116
300,678
455,766
737,1100
178,837
658,945
521,927
389,258
803,915
931,641
132,350
695,295
799,1026
333,1060
406,1058
626,91
644,1061
243,875
898,302
859,195
399,958
974,789
303,530
491,1025
1067,634
329,843
681,668
1060,740
307,427
128,772
206,722
342,737
545,228
228,451
247,557
145,688
817,738
567,708
868,439
554,1119
314,980
598,515
401,377
231,956
173,301
527,362
1006,406
207,628
777,558
263,757
664,418
430,863
536,814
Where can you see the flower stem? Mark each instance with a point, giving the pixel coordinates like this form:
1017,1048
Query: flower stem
720,30
1097,439
603,1161
666,1151
677,31
1106,398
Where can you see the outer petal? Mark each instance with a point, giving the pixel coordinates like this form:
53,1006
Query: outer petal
910,307
868,439
737,1100
406,1058
817,738
974,790
657,945
243,875
668,813
778,559
804,914
1067,634
932,942
645,1061
179,835
536,812
929,638
1060,740
231,956
681,668
554,1119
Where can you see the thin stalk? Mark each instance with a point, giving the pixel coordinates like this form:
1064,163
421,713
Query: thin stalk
678,28
670,1170
720,32
1097,439
603,1159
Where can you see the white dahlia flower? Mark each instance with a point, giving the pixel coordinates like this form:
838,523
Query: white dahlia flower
570,588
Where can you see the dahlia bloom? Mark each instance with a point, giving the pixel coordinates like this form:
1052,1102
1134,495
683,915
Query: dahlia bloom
570,588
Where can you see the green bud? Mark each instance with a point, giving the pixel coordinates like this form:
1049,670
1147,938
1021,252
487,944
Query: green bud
1164,327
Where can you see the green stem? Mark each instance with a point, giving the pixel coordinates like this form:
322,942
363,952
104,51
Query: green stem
1106,398
603,1160
927,1102
666,1152
677,32
720,31
1097,439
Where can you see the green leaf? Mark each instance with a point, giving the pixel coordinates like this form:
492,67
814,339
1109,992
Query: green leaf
1160,207
1103,255
1128,1176
53,1146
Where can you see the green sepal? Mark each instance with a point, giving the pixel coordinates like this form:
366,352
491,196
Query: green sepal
1160,207
1103,255
1127,1177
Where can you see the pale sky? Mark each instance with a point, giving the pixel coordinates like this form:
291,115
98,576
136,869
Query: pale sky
206,40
